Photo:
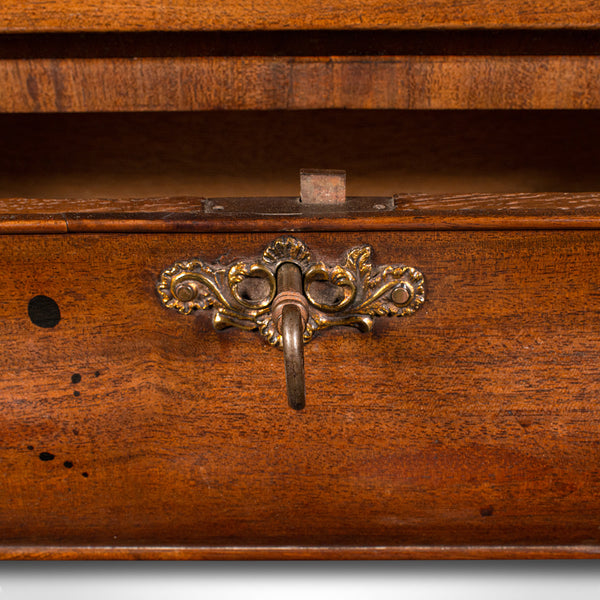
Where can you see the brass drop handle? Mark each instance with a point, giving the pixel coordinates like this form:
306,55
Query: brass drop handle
290,314
281,295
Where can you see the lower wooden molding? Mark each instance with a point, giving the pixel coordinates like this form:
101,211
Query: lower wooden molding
296,553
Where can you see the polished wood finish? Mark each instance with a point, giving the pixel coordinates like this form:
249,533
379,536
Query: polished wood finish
467,430
299,83
305,553
181,15
423,212
426,435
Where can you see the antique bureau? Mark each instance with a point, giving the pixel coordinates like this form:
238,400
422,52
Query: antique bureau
159,245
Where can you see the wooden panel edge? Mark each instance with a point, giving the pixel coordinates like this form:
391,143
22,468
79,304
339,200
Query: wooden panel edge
42,223
180,15
297,553
416,212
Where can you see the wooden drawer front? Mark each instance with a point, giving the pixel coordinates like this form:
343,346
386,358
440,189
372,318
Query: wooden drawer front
469,427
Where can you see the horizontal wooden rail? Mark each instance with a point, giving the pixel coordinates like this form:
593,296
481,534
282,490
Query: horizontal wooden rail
412,212
181,15
267,83
296,553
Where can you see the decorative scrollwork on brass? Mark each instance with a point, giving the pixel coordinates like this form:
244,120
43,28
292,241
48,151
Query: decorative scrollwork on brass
241,294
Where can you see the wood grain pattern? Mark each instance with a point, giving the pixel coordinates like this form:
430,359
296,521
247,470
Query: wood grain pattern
299,83
179,15
304,553
426,438
423,212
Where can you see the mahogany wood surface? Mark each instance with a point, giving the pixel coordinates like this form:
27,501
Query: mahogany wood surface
479,552
468,429
181,15
299,83
411,212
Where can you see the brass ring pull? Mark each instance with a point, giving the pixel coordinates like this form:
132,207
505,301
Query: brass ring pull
290,313
281,295
292,329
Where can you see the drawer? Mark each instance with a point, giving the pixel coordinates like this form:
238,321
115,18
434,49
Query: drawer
468,428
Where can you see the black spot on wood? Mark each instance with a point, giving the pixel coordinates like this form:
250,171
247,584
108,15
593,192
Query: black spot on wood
76,393
85,474
97,374
68,464
29,447
43,311
46,456
486,511
75,431
75,378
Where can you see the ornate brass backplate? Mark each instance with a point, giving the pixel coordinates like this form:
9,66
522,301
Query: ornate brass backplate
355,290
